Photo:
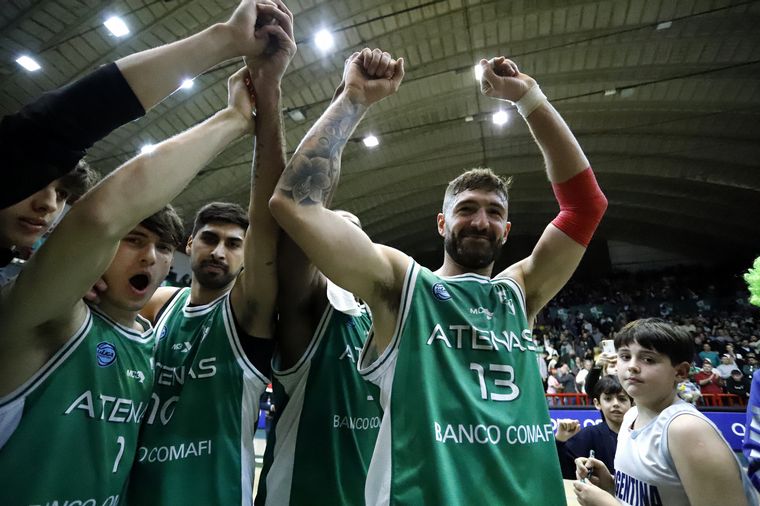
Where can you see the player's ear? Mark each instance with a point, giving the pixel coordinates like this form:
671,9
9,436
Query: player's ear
441,221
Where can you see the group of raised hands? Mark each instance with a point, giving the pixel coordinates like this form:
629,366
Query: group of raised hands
263,31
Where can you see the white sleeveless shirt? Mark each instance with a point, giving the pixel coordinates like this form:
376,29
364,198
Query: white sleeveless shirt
644,470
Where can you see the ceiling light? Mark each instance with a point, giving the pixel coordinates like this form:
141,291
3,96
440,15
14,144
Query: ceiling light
186,84
609,92
626,92
664,25
478,71
296,115
468,119
28,63
371,141
148,148
116,26
499,118
324,40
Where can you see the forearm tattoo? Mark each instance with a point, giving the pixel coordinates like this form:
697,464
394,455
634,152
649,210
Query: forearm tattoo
313,172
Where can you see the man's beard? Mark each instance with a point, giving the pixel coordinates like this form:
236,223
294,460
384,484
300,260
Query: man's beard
213,281
472,256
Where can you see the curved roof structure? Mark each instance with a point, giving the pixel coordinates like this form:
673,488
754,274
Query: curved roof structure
663,95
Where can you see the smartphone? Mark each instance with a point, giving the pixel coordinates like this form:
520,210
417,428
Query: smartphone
608,346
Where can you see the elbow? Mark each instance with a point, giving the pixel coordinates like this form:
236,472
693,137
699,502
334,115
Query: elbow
278,205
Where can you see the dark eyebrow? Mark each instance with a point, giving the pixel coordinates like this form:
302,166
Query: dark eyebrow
137,233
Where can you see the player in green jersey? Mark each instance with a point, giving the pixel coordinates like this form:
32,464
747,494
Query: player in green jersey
75,381
452,351
327,416
210,369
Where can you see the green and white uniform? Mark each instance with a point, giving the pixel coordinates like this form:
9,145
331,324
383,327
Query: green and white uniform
69,434
196,445
465,419
327,420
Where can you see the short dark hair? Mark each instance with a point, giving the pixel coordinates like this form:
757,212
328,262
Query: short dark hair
167,225
607,385
79,180
220,212
657,334
480,178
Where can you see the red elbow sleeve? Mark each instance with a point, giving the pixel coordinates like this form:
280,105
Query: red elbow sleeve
582,205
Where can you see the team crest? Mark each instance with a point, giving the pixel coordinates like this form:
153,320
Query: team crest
164,330
105,353
440,292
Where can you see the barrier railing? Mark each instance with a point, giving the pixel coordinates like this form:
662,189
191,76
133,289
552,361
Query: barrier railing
711,400
720,400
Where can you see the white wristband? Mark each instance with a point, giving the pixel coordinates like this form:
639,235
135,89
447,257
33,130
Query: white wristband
532,100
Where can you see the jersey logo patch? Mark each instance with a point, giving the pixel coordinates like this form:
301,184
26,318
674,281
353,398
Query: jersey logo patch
138,375
440,292
164,330
105,353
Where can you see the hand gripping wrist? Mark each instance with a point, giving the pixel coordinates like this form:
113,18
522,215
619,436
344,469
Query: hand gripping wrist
532,100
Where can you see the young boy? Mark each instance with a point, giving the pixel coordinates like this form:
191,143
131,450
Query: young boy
572,442
663,441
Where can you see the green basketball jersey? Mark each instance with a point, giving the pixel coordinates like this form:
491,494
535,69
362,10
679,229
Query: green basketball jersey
327,420
196,442
465,419
69,434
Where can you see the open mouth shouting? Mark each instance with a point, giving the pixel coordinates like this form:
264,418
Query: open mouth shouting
139,283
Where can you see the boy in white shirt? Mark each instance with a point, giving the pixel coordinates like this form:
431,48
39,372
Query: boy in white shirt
663,440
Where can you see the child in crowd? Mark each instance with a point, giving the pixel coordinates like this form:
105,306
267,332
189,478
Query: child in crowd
663,440
613,403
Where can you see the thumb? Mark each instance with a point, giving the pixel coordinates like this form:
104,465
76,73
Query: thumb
488,74
399,74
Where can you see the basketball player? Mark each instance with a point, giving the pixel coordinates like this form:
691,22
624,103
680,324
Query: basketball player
452,352
214,339
75,381
327,415
43,143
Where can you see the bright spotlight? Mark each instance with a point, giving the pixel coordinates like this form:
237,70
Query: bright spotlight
324,40
116,26
499,118
28,63
370,141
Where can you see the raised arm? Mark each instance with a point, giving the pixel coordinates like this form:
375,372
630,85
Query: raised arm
46,139
339,249
254,294
155,73
582,204
82,246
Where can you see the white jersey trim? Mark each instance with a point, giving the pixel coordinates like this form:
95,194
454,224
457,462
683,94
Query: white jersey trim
237,348
372,371
133,335
311,349
279,478
51,365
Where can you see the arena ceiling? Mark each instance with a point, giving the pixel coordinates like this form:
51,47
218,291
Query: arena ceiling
663,95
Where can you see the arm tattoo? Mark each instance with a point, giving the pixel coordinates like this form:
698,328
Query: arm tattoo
312,174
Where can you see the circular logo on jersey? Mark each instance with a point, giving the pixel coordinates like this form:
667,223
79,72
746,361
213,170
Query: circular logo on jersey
440,292
164,330
106,354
